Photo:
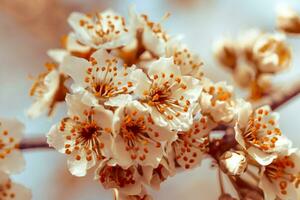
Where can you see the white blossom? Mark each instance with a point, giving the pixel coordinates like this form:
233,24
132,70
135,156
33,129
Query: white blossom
11,158
271,53
150,34
137,139
189,63
191,145
259,134
106,30
85,135
48,89
168,95
218,101
103,79
281,178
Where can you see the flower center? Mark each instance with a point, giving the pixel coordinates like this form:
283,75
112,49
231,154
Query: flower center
86,134
161,96
219,94
133,130
87,131
105,82
103,89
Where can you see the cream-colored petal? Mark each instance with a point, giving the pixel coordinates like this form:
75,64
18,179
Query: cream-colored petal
57,55
76,68
72,44
164,65
78,167
239,136
14,162
119,100
56,139
153,43
13,126
74,21
261,157
75,105
120,154
244,110
142,82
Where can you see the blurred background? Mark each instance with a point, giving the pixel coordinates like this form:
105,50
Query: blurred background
29,28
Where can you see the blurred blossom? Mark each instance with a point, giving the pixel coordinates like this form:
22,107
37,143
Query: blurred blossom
288,19
254,59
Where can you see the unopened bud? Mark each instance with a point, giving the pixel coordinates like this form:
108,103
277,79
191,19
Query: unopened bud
233,163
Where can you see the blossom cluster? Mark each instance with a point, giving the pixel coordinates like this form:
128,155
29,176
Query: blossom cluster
140,108
270,151
11,160
254,59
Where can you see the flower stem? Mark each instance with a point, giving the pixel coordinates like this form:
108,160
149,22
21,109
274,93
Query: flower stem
235,186
253,175
221,181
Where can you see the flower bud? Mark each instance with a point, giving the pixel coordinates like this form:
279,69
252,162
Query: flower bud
233,163
264,81
226,53
272,53
244,74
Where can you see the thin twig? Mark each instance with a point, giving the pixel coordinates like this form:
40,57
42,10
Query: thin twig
286,97
280,98
34,143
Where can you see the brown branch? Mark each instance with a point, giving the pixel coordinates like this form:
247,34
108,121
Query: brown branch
34,143
280,98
